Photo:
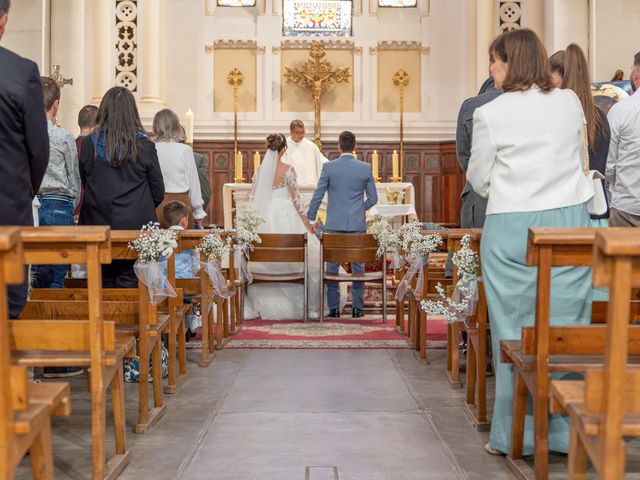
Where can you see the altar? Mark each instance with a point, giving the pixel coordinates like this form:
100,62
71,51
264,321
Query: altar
396,199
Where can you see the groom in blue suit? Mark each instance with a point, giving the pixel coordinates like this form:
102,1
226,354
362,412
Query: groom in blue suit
347,180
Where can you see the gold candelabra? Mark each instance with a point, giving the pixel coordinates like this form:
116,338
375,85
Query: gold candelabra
235,79
401,79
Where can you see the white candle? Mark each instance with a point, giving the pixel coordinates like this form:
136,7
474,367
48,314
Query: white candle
256,161
374,165
394,165
239,166
188,126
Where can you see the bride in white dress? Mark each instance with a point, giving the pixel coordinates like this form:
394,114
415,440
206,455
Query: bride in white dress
275,195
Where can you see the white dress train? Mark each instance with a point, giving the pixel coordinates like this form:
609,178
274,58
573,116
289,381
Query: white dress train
285,301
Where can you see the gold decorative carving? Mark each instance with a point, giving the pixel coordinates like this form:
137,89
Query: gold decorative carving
399,45
234,44
401,80
317,75
330,44
235,79
57,77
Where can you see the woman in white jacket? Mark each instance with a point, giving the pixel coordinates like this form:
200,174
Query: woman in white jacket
526,158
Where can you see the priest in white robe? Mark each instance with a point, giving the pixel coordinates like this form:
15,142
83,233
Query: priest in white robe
304,155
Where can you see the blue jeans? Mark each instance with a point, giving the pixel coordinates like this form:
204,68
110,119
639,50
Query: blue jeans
54,210
357,288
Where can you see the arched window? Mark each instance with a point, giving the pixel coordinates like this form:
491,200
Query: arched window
329,18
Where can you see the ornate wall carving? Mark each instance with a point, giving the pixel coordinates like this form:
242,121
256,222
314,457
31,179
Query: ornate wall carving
127,44
510,15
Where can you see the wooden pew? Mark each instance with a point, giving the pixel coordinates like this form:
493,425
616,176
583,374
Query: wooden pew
25,407
454,329
228,311
544,349
605,407
88,342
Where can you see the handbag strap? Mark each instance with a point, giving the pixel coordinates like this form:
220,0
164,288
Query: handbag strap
585,137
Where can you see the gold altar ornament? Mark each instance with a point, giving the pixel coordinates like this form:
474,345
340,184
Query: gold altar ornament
238,168
57,77
374,165
235,79
392,197
401,79
317,75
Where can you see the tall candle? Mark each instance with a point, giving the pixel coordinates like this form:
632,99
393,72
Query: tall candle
256,161
188,126
239,166
355,155
374,165
394,165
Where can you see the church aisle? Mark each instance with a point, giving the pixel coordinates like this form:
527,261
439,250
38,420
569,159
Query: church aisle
270,414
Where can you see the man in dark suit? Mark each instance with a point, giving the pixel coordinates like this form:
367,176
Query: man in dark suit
473,205
24,143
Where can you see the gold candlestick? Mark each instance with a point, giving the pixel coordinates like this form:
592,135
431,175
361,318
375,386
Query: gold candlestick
238,164
401,80
235,79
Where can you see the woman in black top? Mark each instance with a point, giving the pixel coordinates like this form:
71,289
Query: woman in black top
570,70
121,176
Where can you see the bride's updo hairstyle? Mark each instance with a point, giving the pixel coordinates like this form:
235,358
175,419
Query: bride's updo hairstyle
277,142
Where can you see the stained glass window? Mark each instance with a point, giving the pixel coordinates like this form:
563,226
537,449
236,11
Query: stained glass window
397,3
236,3
331,18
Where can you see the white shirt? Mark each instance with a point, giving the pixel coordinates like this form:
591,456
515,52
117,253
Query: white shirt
623,162
306,159
526,152
180,173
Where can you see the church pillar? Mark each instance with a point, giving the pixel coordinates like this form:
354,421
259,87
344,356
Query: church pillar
151,51
103,73
68,51
487,30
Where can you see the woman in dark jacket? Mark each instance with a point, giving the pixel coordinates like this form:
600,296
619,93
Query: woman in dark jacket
121,176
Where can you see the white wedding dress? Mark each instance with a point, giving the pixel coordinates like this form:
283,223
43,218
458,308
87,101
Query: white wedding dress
281,209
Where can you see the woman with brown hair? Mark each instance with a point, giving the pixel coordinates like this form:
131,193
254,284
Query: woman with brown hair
121,177
178,165
526,158
569,69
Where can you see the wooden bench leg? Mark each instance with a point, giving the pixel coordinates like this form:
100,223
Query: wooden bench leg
119,418
410,323
471,371
481,366
400,315
206,349
98,414
182,349
422,317
519,411
151,417
232,313
578,460
41,454
453,354
225,318
143,387
171,380
541,433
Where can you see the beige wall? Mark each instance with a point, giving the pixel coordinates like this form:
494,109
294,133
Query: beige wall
389,62
224,61
296,98
27,31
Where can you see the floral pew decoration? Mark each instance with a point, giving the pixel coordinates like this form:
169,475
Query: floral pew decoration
154,246
416,248
247,222
463,301
214,249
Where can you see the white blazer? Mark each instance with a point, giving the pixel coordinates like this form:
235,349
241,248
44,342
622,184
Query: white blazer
526,152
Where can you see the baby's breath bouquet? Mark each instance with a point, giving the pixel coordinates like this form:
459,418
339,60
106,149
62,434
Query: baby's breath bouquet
154,245
248,219
417,248
384,234
214,249
464,298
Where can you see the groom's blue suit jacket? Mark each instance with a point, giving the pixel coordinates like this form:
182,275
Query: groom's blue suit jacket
346,180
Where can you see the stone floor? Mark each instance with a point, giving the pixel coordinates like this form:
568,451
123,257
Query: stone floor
297,414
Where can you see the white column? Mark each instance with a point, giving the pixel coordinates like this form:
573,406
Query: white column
103,48
68,29
487,30
150,19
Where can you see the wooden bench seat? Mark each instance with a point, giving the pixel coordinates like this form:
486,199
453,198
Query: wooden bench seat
25,408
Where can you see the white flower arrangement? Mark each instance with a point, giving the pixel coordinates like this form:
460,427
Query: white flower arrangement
154,243
463,300
382,231
414,244
247,222
214,247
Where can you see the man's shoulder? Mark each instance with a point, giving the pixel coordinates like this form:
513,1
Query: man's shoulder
56,132
9,57
626,105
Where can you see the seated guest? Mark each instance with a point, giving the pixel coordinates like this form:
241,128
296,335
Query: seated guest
60,189
176,216
121,177
526,159
569,69
178,165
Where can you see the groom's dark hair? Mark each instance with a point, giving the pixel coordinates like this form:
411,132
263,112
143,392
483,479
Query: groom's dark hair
347,141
